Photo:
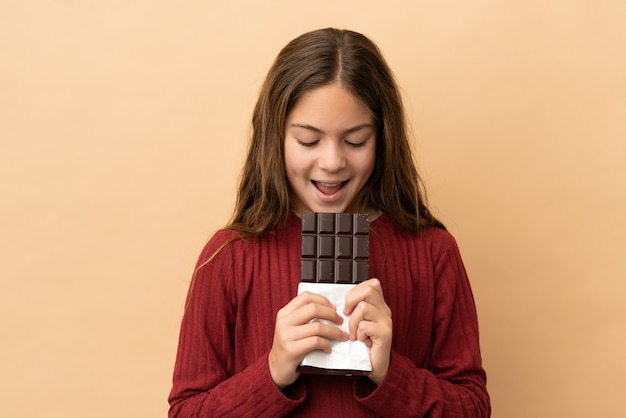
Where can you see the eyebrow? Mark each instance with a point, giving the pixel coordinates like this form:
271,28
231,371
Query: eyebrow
319,131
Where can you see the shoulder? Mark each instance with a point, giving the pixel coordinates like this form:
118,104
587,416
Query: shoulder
223,242
432,243
233,245
438,237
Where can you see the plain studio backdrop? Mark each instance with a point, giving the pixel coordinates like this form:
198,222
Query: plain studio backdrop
123,127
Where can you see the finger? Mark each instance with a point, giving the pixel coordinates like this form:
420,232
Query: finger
284,359
317,329
364,312
313,336
369,291
372,331
378,337
304,346
362,333
305,298
311,311
302,300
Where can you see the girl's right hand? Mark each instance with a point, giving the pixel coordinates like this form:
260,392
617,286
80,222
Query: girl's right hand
295,335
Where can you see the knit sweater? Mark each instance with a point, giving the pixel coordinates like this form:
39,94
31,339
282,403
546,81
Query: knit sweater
228,326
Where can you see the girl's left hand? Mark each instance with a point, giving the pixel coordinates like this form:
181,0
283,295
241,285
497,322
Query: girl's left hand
371,323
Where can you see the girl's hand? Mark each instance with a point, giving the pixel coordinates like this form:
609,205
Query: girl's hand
371,323
295,335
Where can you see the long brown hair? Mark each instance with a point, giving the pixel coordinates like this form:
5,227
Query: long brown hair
313,60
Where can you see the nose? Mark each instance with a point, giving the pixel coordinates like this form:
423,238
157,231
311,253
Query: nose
331,157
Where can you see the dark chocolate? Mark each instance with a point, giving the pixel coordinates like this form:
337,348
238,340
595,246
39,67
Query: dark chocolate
335,248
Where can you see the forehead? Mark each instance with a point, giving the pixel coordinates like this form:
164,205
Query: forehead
329,108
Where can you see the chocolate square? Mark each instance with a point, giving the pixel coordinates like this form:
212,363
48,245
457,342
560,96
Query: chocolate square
335,248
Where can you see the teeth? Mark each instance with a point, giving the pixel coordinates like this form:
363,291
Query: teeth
330,184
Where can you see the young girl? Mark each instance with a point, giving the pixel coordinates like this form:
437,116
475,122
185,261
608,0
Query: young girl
329,135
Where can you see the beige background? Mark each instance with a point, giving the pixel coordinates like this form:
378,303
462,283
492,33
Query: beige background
123,127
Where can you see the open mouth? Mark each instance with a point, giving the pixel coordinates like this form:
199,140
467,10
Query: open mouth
329,188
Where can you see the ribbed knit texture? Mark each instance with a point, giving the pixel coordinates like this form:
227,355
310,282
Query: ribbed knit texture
228,327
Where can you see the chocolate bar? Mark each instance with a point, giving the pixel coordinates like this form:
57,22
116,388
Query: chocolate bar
334,259
335,248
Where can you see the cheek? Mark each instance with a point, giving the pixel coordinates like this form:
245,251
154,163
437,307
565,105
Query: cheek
288,156
291,175
367,164
295,162
370,166
294,166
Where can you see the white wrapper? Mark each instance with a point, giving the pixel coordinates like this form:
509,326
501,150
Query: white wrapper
345,355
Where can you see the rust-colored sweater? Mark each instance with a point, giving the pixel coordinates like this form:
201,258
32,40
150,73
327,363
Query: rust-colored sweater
228,326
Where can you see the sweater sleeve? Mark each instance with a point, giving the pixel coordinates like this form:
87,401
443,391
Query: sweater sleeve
454,383
205,382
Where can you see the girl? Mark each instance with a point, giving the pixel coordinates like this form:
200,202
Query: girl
329,135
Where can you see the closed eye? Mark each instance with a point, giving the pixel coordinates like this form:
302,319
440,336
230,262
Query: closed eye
355,144
308,143
357,141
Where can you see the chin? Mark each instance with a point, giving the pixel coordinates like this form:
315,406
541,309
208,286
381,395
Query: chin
334,209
